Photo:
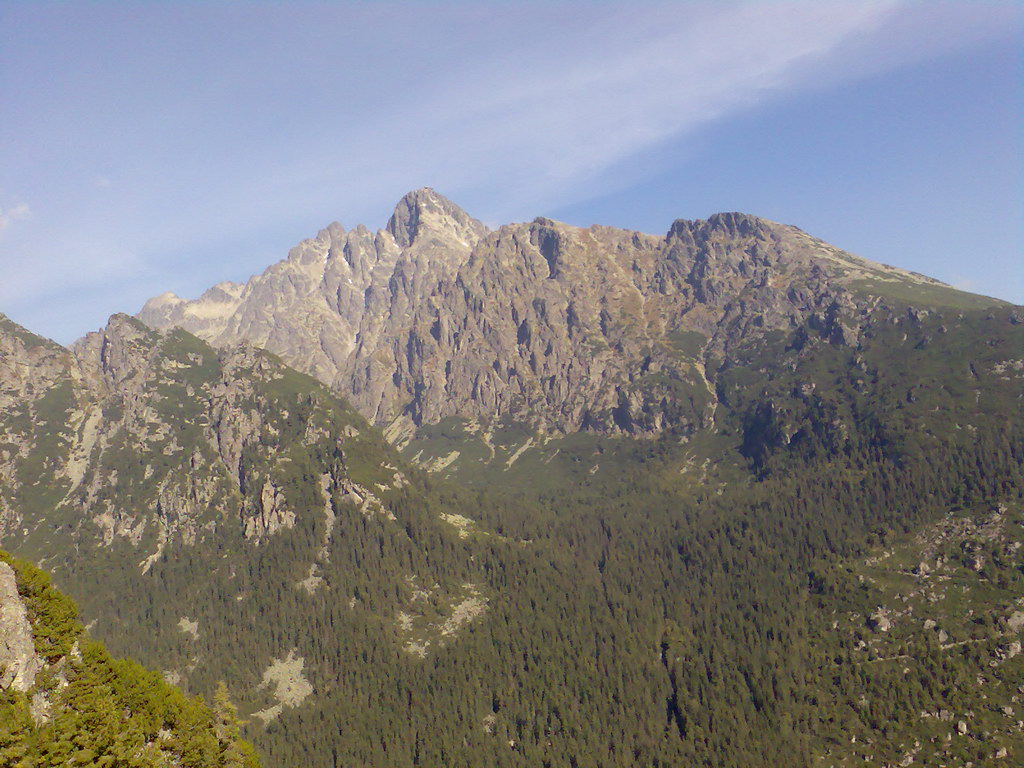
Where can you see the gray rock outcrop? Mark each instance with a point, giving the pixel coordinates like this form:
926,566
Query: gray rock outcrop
19,662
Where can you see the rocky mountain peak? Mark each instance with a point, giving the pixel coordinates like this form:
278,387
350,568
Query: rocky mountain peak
165,299
544,323
115,353
424,211
547,238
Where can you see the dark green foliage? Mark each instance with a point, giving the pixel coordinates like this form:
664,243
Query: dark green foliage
656,612
103,711
53,616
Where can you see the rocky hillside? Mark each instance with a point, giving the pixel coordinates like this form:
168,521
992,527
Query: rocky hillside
935,617
65,701
182,433
553,326
145,467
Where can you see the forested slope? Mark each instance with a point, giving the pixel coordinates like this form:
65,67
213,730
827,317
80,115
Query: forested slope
65,701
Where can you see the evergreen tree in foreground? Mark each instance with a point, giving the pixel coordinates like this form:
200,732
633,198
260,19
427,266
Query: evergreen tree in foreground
87,708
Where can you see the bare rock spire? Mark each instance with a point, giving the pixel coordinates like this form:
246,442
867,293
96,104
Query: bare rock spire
424,212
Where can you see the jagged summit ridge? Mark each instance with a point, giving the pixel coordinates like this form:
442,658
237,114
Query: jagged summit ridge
562,327
730,224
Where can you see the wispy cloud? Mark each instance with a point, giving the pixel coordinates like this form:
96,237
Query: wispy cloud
223,158
548,116
965,283
10,215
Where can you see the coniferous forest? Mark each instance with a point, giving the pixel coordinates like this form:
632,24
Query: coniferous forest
86,708
842,578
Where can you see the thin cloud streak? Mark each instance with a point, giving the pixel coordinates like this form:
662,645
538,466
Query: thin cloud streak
548,119
10,215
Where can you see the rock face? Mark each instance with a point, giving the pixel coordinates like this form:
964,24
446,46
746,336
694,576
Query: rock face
152,438
552,325
139,459
19,663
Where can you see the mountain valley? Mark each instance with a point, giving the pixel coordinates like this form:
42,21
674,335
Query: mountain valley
547,496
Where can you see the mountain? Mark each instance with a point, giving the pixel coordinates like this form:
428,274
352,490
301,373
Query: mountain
65,701
143,443
717,485
556,327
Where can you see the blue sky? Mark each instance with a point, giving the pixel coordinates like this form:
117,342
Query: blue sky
147,147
